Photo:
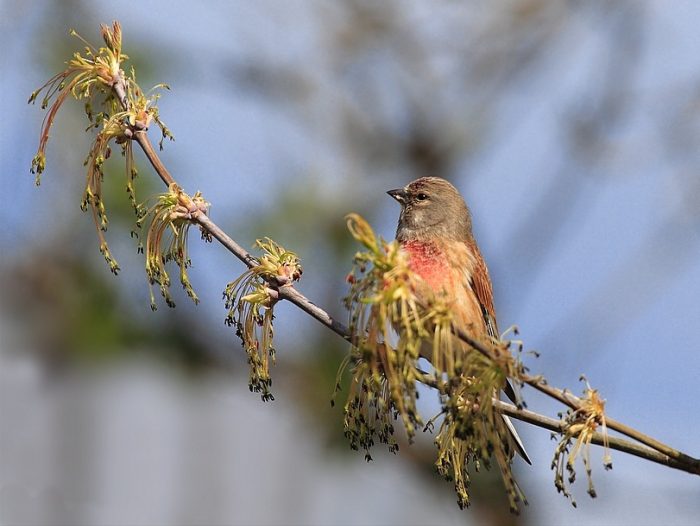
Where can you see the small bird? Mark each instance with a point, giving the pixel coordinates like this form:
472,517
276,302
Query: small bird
435,230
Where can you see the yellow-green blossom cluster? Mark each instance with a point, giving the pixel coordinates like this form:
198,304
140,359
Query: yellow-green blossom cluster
170,218
95,76
384,374
575,441
473,433
250,300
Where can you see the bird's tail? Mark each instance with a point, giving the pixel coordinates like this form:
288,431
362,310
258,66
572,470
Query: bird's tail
519,447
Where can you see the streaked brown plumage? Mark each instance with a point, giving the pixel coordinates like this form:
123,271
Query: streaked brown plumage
435,229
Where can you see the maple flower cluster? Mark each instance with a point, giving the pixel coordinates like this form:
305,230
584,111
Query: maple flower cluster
96,77
250,300
580,426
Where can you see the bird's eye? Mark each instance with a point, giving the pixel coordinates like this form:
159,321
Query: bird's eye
422,197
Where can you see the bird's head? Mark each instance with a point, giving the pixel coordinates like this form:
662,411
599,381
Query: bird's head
431,207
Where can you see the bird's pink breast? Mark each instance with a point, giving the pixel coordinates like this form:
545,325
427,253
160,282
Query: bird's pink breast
430,262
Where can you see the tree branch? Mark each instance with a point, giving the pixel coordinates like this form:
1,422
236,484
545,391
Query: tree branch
286,291
687,464
574,402
142,138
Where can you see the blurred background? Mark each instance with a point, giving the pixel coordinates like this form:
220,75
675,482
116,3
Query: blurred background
573,130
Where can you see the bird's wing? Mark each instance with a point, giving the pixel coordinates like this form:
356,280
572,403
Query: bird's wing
481,285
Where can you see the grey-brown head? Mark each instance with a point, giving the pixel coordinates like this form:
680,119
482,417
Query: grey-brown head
432,207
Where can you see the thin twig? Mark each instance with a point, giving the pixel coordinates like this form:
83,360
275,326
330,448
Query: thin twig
150,152
141,136
683,463
287,292
619,444
574,402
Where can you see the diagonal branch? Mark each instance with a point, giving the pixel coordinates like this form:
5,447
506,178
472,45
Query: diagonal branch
142,138
286,291
567,398
620,444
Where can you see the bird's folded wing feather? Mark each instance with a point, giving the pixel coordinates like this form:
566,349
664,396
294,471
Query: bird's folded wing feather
481,285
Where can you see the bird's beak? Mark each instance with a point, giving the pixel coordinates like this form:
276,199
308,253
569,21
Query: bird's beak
399,194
